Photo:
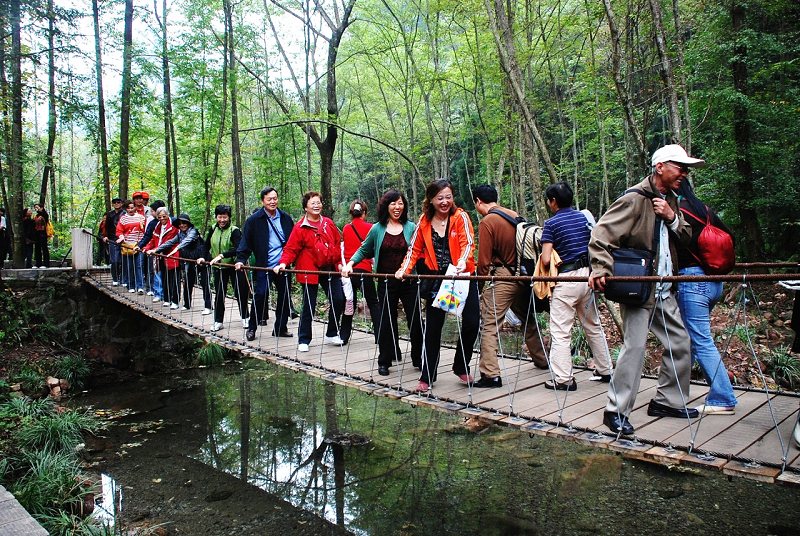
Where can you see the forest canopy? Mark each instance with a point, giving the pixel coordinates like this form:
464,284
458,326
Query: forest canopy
201,102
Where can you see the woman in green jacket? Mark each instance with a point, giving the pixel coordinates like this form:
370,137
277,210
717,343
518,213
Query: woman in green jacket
387,243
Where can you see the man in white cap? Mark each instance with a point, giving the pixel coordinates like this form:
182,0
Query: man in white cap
646,217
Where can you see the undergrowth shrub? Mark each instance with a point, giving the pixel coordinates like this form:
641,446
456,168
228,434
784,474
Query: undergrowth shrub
73,368
211,355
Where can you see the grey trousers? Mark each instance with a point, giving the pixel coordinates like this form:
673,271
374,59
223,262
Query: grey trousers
676,359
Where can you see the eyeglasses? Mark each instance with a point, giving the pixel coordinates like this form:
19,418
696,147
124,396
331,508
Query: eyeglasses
683,167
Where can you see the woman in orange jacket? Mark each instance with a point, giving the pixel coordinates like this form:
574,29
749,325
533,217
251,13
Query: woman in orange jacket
444,236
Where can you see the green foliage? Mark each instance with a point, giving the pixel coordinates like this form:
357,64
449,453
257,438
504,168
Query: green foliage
73,368
5,391
784,367
211,355
31,380
24,407
56,432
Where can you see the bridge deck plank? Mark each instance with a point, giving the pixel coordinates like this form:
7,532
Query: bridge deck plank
749,434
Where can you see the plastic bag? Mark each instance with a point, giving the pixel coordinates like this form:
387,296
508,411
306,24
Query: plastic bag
347,286
452,295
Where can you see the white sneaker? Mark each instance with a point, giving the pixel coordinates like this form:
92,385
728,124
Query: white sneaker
184,308
302,347
149,292
245,322
174,306
207,311
140,291
115,283
156,299
716,410
165,304
217,326
335,340
131,290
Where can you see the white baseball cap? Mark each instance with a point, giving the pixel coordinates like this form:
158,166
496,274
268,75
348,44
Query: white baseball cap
675,153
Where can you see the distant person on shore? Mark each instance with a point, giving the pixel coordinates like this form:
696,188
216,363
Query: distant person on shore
41,248
647,217
3,237
28,237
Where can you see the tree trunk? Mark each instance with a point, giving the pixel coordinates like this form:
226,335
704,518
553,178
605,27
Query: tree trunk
236,156
47,171
125,101
170,147
666,72
752,241
101,109
15,161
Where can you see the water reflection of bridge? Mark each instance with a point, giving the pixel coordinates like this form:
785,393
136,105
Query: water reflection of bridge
745,444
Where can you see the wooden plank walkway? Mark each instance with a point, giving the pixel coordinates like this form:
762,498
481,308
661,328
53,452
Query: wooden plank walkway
745,444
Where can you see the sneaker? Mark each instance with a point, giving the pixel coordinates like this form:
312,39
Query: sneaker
716,410
245,322
165,304
335,340
206,311
184,308
466,378
114,283
149,292
174,306
156,299
302,347
140,291
422,388
597,377
131,290
217,326
569,386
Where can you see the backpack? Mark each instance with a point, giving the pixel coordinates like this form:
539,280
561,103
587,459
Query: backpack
715,251
327,253
528,243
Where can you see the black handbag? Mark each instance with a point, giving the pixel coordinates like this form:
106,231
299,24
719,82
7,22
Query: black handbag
631,262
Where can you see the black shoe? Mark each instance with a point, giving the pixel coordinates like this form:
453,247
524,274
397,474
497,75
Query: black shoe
570,386
383,371
656,409
251,334
602,378
540,364
282,334
617,423
294,315
488,381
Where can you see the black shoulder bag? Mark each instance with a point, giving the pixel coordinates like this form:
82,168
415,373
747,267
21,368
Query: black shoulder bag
631,262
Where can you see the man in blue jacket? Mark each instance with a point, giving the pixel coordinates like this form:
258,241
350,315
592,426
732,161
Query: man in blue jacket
264,234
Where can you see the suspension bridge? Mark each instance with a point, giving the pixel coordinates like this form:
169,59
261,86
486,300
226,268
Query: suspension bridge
754,443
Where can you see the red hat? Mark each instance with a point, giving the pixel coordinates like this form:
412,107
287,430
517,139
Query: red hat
136,194
145,195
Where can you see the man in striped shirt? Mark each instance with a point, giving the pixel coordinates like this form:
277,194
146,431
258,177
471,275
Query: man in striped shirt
568,233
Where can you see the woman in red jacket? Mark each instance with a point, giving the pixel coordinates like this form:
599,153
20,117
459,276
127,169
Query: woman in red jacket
315,244
444,236
353,235
165,230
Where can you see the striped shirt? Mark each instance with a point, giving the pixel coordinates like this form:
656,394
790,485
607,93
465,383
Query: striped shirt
131,227
569,232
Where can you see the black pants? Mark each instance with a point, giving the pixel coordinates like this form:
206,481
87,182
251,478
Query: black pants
190,274
366,285
391,292
169,282
332,285
27,254
434,321
222,277
42,255
260,310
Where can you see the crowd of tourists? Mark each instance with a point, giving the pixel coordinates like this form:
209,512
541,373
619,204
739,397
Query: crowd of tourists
660,215
37,230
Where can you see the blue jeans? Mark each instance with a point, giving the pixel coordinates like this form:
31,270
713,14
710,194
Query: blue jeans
696,299
157,291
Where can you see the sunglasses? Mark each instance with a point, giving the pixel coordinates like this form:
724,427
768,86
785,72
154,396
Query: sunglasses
682,167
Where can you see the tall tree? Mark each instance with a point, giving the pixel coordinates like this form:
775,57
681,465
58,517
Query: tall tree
47,171
236,150
102,136
125,102
170,145
15,161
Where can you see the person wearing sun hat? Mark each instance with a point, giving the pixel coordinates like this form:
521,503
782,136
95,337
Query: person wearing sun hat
188,244
647,217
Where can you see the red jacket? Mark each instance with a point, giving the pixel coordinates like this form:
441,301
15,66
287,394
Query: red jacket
162,234
352,241
300,248
461,240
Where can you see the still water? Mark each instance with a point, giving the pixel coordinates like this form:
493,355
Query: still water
378,466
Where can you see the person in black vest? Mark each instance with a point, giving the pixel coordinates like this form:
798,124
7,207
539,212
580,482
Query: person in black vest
188,244
264,234
114,253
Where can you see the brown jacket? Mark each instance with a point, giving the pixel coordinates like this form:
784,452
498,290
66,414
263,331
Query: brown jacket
629,222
